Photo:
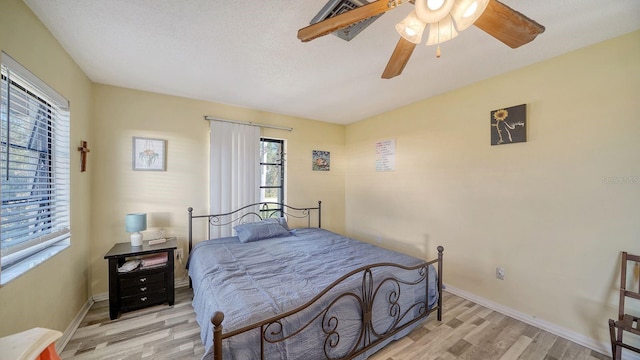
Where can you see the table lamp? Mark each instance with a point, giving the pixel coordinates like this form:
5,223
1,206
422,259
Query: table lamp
134,224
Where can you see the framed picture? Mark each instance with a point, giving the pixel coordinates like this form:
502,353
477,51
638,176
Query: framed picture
509,125
149,154
321,160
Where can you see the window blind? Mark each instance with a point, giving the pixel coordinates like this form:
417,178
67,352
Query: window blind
34,169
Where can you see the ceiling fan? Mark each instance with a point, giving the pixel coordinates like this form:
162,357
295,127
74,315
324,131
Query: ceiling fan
445,18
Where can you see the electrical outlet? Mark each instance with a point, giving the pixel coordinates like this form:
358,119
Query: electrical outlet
379,239
500,273
179,254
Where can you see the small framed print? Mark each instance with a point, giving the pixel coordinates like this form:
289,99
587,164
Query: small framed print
509,125
321,160
149,154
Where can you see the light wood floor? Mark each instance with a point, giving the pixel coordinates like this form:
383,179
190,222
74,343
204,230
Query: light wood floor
467,331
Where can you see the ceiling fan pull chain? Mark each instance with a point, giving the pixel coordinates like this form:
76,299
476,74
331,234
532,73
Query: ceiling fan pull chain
438,48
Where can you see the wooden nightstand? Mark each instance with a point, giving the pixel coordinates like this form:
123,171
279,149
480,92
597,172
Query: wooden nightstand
141,287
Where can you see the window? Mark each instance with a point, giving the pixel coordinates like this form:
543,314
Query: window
272,170
34,171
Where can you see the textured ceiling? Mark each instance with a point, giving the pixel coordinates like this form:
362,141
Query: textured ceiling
246,53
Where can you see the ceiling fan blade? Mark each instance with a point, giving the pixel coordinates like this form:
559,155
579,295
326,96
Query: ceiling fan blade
345,19
399,58
507,25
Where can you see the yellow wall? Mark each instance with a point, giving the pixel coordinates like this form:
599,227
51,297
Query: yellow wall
51,294
554,211
545,210
121,114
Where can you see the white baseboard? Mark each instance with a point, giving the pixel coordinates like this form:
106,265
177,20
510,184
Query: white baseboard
101,297
73,326
603,348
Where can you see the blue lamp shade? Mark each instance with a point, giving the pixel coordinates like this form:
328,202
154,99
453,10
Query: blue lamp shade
134,223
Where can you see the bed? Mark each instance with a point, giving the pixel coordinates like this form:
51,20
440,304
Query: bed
278,292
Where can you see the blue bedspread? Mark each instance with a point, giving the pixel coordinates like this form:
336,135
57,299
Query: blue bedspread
250,282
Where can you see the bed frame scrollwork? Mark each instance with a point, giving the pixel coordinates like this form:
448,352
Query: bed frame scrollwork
378,285
368,336
255,212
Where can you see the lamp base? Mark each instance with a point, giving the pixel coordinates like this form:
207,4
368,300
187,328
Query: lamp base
136,239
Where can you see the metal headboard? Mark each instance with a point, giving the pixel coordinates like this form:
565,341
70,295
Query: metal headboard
264,210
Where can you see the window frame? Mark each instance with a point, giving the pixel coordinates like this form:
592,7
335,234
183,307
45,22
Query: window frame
35,194
281,186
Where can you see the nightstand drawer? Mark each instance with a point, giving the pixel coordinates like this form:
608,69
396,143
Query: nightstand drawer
141,279
143,289
143,300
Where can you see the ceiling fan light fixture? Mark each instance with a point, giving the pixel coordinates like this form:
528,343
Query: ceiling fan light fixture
411,28
441,31
432,11
435,4
466,12
470,10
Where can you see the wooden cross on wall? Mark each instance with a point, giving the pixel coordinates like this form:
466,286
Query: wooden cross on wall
83,155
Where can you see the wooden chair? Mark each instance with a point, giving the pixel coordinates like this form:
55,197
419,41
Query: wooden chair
626,322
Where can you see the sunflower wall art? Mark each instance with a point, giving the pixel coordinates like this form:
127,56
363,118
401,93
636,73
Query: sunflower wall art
509,125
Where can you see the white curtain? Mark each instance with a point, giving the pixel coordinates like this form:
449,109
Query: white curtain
235,169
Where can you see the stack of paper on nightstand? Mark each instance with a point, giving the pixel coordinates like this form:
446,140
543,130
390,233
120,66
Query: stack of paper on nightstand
154,261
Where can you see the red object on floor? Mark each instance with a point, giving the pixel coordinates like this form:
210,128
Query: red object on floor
49,353
33,344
